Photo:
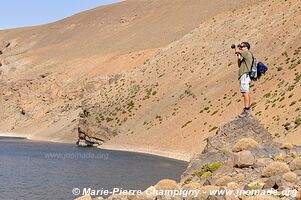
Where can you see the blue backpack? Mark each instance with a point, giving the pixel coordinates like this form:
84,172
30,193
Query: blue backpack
257,69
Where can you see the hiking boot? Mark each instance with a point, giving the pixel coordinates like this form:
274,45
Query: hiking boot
245,113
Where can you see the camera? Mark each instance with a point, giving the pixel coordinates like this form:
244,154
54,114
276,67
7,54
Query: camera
233,46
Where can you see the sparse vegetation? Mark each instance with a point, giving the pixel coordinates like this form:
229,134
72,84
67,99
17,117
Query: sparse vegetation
293,103
213,128
298,77
207,168
298,122
214,112
287,126
184,125
267,95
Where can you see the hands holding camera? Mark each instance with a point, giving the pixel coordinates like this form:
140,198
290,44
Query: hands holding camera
238,48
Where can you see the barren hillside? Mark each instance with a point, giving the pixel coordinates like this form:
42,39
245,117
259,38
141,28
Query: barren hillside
179,97
46,71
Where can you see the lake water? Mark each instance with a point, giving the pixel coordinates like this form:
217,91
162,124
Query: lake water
40,170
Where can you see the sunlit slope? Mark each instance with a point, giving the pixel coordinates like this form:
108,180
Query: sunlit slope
47,71
178,98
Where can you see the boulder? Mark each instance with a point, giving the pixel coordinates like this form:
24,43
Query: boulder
262,162
275,168
192,186
274,182
298,172
223,181
243,159
86,197
224,197
84,143
298,197
239,177
117,197
245,143
167,184
290,177
296,164
148,193
216,198
288,146
205,191
255,185
98,198
261,198
233,186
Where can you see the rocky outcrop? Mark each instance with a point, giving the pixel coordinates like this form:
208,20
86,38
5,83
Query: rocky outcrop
235,136
240,156
90,133
245,157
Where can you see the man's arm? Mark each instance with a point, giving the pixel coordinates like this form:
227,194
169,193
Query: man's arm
239,57
238,62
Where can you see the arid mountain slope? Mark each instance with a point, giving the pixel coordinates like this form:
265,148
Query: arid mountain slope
46,71
181,95
113,30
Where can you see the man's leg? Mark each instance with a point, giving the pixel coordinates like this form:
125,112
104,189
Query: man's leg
245,90
247,99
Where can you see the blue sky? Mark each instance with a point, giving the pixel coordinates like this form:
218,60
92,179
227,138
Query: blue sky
19,13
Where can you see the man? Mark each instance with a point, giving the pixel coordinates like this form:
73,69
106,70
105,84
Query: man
245,61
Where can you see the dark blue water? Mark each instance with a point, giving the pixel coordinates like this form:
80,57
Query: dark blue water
40,170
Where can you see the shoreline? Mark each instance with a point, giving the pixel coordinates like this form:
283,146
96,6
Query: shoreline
128,148
37,139
9,134
124,148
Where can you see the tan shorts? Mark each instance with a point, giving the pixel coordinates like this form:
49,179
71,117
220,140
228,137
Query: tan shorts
245,81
